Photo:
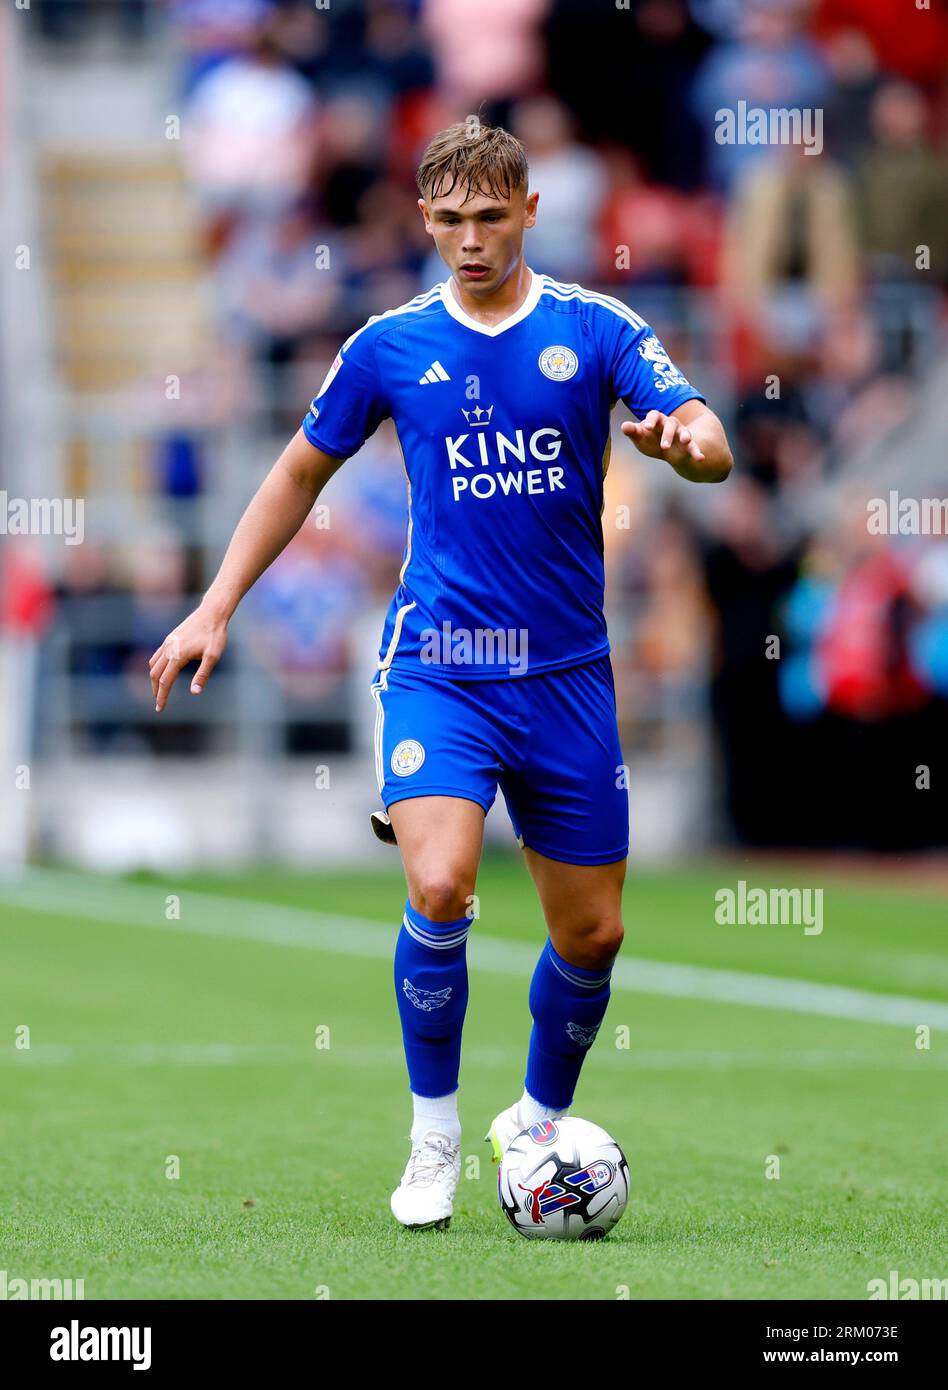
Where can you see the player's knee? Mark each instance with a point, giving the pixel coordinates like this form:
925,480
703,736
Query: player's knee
606,940
613,937
442,897
599,944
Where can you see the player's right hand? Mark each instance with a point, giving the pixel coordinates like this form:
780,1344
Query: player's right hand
201,637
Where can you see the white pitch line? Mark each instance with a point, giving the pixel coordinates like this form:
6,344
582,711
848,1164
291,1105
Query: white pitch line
208,914
149,1054
241,1054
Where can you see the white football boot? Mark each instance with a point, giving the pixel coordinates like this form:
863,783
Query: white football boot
425,1196
505,1128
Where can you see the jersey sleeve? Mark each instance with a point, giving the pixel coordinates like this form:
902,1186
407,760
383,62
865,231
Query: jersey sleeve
350,405
640,371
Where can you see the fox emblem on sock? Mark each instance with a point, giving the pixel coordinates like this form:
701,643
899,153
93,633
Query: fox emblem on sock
582,1034
427,999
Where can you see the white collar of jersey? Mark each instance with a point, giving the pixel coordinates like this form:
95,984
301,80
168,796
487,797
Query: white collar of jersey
528,305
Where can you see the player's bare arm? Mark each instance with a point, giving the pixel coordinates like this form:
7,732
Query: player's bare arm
691,438
275,514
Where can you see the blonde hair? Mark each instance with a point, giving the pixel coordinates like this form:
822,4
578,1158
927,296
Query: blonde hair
482,158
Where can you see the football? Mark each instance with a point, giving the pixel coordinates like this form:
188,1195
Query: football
563,1180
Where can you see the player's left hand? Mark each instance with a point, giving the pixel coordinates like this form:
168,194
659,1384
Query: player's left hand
663,437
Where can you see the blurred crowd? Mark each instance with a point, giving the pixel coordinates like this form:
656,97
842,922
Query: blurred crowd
810,290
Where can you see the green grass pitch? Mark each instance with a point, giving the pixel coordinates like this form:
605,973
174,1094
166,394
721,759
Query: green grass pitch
153,1036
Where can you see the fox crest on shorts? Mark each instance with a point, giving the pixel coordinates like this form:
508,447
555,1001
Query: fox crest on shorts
407,757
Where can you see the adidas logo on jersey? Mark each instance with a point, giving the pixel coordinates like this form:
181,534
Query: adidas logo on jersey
434,373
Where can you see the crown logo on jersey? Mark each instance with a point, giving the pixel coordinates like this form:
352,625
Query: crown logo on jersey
477,416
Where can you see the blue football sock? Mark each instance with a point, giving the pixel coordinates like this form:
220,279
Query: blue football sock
568,1003
431,986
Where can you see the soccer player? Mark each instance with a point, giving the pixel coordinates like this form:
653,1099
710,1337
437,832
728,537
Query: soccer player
494,662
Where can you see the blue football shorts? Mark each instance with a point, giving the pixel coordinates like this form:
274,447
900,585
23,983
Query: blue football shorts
550,741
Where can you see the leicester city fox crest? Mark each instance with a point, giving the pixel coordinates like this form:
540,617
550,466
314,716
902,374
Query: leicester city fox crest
407,757
558,363
426,999
582,1034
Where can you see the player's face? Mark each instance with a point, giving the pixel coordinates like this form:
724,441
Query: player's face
480,239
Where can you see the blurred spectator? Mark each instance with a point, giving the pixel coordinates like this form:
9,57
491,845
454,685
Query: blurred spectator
157,570
377,493
352,156
902,190
907,39
90,590
571,183
278,281
384,269
851,399
854,72
864,682
673,623
489,53
302,614
722,18
303,34
209,31
250,132
27,602
749,566
791,235
624,73
862,649
395,52
644,228
772,64
179,465
929,641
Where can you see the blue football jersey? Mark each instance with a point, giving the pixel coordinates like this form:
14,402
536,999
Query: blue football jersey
504,432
